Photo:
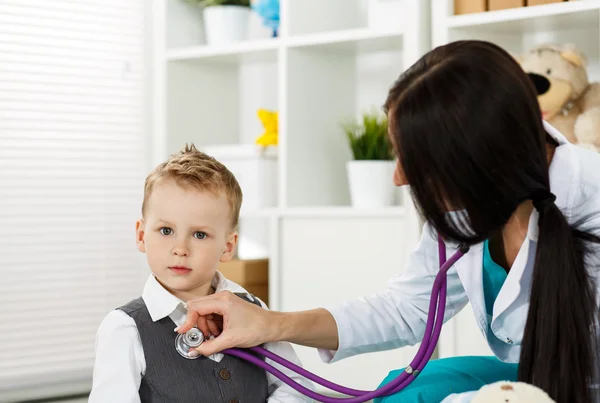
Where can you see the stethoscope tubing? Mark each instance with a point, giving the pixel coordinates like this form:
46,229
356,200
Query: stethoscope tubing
433,328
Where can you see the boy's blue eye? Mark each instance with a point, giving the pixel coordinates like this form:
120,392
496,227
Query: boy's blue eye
166,231
199,235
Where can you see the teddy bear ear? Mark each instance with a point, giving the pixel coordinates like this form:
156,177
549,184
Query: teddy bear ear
570,53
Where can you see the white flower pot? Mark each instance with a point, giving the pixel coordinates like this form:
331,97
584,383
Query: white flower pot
226,24
371,183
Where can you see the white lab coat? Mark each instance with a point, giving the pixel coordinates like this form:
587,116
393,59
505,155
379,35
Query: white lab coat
396,316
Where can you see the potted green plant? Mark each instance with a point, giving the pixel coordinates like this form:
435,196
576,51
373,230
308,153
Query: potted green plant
225,21
372,165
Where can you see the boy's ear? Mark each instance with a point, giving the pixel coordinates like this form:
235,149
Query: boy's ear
139,235
230,246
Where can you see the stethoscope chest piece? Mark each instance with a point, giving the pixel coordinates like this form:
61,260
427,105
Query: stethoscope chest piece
185,342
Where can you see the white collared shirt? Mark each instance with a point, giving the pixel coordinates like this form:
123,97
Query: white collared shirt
397,316
120,363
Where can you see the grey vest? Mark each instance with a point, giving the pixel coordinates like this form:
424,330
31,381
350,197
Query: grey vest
171,378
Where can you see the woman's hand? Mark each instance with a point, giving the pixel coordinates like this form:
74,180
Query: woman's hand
233,321
238,323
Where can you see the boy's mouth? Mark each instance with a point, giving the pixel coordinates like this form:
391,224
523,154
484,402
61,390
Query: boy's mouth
180,269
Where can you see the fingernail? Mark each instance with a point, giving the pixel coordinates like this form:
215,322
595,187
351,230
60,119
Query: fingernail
177,329
194,353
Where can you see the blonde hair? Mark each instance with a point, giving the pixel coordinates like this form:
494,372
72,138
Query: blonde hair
190,167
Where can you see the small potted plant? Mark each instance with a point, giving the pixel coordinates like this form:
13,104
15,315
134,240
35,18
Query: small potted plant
372,166
225,21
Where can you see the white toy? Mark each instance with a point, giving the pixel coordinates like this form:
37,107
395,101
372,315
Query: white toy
511,392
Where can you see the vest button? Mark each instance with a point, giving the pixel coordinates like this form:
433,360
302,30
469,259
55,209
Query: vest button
225,374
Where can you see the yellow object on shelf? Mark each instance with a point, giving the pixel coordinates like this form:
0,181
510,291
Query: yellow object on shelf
269,120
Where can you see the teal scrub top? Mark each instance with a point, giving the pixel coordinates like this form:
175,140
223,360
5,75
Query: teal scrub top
494,276
443,377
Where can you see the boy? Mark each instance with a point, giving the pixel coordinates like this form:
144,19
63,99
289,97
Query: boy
189,219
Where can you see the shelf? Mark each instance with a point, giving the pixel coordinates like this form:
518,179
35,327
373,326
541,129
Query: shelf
361,39
571,14
260,50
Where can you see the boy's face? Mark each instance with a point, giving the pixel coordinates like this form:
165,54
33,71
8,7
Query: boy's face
185,233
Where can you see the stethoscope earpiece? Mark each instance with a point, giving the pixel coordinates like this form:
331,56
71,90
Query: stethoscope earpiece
185,342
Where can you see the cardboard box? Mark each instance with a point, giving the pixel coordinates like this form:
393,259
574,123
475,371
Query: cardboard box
504,4
246,272
469,6
540,2
253,275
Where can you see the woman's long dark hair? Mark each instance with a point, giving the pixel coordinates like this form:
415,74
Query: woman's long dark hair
468,132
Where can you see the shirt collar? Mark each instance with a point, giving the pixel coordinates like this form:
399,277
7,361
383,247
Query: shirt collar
161,303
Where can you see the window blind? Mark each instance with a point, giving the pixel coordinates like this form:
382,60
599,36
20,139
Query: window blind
72,164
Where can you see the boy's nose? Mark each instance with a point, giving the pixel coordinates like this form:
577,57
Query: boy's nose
180,250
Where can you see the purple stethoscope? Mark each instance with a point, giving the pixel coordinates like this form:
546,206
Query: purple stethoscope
194,338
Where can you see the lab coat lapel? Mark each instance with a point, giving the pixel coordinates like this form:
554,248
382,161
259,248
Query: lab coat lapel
511,289
512,286
469,269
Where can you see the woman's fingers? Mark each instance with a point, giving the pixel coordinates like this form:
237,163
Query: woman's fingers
213,327
236,322
204,325
216,345
190,321
201,307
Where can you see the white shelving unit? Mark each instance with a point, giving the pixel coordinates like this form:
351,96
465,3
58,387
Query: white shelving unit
515,30
332,60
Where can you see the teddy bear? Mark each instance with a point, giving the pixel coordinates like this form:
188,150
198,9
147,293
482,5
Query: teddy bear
567,99
511,392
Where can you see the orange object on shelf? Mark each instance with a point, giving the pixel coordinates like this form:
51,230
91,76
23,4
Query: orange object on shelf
469,6
540,2
504,4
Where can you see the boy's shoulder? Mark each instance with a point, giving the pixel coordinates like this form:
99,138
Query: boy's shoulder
134,305
117,321
120,319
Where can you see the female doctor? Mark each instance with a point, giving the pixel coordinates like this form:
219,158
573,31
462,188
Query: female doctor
484,170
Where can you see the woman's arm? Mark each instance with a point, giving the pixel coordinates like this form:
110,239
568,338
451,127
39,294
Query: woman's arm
315,328
390,319
247,325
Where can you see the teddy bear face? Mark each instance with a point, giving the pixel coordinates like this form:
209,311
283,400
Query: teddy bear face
511,392
559,77
505,393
